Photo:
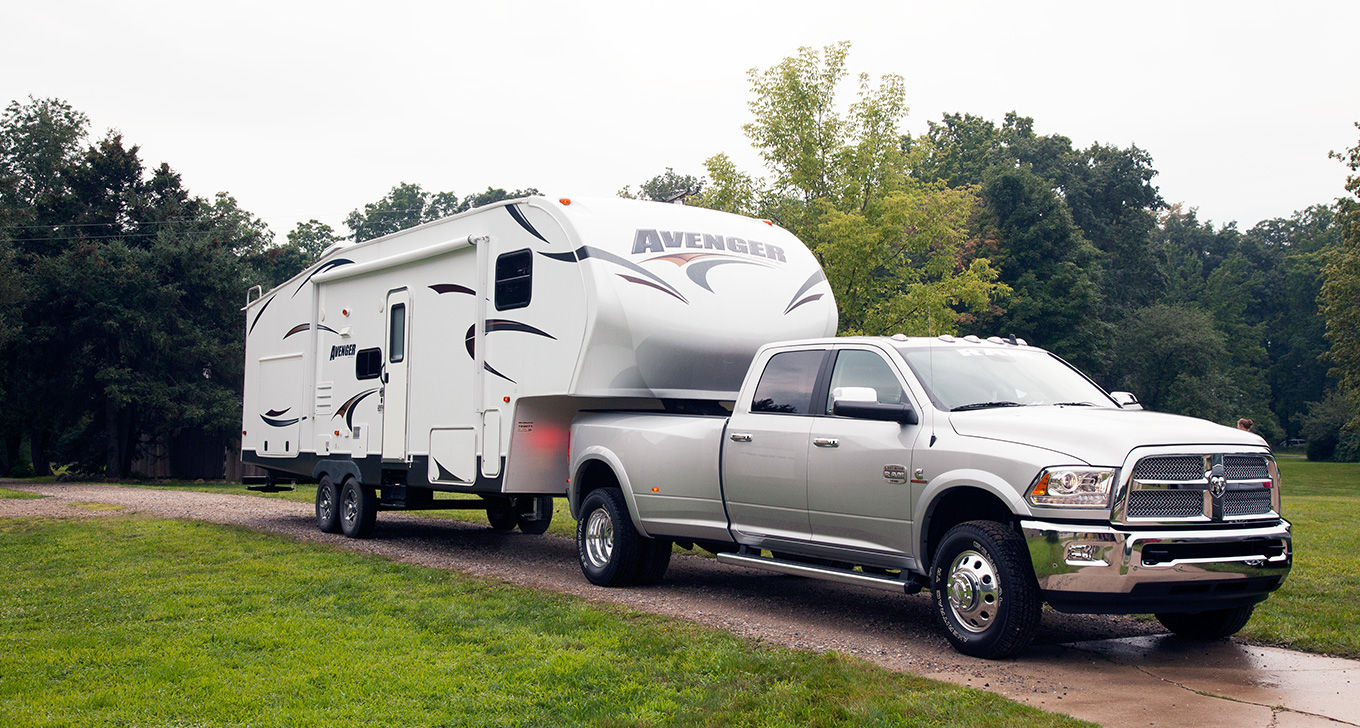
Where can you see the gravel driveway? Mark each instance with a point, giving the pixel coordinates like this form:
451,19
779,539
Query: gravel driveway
1112,670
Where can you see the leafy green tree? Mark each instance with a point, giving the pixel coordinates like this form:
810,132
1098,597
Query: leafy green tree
896,251
665,187
407,205
1340,300
1172,358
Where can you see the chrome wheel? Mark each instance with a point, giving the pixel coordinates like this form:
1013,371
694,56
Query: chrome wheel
349,509
599,540
973,594
325,504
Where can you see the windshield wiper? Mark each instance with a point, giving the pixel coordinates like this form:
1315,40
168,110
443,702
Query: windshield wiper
984,405
1074,404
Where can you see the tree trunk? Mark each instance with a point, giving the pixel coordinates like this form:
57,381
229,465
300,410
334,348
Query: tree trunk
12,443
113,460
37,450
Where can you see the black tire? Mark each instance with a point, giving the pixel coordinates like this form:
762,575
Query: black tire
993,609
541,504
609,549
500,512
656,558
358,509
327,505
1214,624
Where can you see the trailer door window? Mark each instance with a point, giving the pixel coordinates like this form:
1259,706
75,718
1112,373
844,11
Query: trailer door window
786,384
514,279
396,345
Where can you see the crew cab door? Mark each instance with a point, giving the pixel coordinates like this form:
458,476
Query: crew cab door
765,455
859,469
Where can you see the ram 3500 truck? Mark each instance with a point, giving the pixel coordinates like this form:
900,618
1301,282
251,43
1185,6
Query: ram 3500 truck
988,471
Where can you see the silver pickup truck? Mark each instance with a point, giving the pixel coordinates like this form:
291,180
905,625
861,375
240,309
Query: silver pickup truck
990,472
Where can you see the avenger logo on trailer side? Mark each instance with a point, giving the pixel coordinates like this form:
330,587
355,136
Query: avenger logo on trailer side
342,350
659,241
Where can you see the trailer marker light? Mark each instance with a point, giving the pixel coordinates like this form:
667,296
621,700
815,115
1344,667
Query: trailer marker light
337,433
656,490
565,200
344,312
767,222
507,399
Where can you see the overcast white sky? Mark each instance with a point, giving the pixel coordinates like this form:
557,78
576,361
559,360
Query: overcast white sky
310,109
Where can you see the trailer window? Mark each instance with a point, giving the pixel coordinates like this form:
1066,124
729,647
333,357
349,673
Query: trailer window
514,279
368,363
396,344
786,384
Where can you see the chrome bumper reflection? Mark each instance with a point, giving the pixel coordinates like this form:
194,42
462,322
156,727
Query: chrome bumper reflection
1104,560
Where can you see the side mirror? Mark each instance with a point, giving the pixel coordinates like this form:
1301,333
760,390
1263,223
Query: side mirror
1126,400
862,403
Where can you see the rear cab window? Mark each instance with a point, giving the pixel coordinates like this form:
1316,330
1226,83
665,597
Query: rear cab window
786,386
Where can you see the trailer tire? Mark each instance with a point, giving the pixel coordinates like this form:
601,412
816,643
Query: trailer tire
500,513
656,558
358,509
1214,624
609,549
542,503
983,588
327,505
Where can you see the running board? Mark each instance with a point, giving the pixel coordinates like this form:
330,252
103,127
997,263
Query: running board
842,576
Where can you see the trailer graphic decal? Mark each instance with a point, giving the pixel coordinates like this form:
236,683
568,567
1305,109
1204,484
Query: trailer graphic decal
271,418
347,409
452,288
794,302
444,473
585,251
519,218
322,269
304,327
493,325
698,272
258,314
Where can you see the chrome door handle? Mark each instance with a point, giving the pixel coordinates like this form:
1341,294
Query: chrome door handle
826,442
740,437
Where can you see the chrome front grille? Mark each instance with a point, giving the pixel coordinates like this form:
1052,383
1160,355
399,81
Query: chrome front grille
1176,467
1166,503
1238,503
1178,488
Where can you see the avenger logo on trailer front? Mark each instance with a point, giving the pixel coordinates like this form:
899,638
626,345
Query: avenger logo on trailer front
658,241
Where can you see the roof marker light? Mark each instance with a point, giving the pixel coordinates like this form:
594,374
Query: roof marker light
767,222
565,200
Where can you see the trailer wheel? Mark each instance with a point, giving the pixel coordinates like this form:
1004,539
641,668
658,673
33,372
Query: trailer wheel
1214,624
541,504
609,548
358,509
500,512
656,558
984,591
327,505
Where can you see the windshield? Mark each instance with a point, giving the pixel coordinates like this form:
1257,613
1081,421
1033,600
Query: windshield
963,378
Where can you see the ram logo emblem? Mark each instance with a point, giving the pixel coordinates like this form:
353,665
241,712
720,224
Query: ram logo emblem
895,473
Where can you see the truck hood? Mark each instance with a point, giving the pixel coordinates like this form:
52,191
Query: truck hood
1096,436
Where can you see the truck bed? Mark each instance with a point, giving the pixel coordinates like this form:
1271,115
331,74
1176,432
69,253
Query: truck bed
674,488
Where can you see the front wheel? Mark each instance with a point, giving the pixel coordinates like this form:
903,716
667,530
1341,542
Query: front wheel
609,548
1214,624
984,591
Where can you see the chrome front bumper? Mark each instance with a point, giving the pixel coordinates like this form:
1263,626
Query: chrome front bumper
1100,569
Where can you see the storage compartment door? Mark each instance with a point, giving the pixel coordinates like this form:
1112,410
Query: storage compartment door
280,379
453,456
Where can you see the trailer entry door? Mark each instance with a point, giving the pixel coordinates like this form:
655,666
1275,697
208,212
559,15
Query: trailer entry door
395,377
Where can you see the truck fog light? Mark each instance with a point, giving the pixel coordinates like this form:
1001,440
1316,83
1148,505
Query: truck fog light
1083,554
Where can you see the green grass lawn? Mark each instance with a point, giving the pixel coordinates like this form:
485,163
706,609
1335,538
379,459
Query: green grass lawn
7,493
1317,608
135,621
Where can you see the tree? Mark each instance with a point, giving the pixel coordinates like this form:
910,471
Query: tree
1171,358
665,187
1340,300
896,251
408,205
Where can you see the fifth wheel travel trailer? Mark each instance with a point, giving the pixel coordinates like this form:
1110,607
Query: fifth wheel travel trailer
453,356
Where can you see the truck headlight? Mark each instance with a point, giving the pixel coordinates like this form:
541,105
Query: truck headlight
1072,487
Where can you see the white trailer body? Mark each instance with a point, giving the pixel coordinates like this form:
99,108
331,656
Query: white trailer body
453,356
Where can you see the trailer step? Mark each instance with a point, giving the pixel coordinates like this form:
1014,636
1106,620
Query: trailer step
843,576
265,484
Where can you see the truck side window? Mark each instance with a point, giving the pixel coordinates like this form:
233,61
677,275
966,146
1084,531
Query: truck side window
860,368
786,384
514,279
368,363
